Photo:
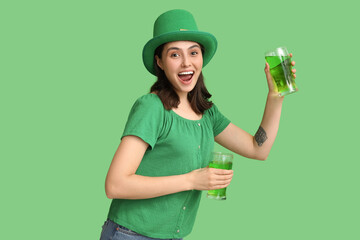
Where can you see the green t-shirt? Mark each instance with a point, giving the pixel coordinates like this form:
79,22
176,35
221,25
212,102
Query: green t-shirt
176,146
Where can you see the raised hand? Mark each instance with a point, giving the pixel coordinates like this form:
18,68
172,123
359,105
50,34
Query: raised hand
271,84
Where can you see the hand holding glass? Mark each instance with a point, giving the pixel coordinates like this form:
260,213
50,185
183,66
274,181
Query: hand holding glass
280,69
221,161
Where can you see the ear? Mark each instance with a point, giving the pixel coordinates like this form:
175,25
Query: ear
158,62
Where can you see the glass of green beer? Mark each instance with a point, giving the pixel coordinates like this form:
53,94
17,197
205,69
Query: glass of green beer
280,70
221,161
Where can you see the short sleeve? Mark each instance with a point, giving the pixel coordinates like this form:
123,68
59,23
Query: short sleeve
146,119
219,121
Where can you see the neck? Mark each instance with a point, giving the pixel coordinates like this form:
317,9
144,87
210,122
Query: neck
185,104
184,100
183,97
185,110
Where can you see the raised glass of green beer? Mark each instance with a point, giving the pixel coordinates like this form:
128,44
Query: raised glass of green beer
280,70
221,161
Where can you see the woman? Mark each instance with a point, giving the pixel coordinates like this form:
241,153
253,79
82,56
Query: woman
159,169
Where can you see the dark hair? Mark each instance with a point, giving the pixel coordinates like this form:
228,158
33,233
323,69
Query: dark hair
198,97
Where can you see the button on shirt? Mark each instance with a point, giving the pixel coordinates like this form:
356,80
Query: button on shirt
176,146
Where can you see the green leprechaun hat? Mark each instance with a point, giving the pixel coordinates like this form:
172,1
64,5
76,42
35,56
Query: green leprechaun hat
177,25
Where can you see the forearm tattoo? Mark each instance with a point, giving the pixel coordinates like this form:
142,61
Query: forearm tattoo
260,136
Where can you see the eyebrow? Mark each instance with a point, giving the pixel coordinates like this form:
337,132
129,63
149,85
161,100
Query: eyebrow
176,48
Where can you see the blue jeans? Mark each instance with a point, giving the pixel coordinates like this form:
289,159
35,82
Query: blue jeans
114,231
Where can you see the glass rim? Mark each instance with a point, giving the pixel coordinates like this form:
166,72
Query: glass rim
274,51
223,154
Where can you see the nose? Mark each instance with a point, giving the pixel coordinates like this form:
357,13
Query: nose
185,61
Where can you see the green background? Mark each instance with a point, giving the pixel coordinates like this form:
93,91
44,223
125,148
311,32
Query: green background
71,70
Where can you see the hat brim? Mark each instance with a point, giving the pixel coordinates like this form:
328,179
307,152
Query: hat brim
207,40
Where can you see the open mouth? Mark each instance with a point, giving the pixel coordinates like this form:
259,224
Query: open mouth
186,77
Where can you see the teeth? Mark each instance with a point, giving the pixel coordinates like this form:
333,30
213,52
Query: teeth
186,73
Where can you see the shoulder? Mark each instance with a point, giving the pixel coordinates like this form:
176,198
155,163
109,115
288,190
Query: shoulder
146,119
147,107
213,110
218,120
149,97
149,102
215,114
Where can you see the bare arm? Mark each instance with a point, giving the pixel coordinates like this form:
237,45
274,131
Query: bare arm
259,145
122,182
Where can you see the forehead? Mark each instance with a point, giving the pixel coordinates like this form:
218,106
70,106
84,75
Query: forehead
180,44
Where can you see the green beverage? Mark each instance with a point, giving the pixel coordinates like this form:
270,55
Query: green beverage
280,70
220,161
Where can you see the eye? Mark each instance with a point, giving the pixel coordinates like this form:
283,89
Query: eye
194,53
174,55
